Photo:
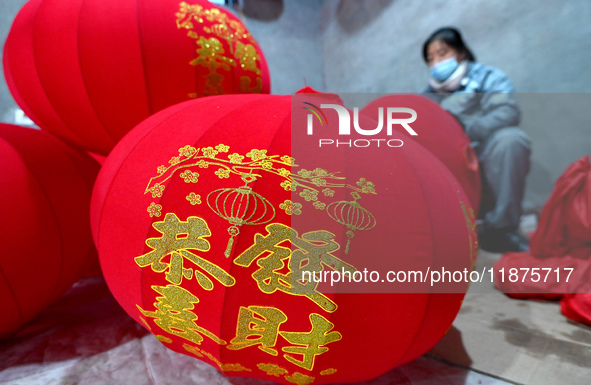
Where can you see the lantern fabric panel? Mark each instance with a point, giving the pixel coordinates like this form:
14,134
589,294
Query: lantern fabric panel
443,306
90,79
27,228
110,54
46,188
27,90
55,45
161,183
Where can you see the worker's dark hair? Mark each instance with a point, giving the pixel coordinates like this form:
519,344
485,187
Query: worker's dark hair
452,37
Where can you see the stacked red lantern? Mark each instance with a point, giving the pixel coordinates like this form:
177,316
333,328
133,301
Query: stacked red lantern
205,214
90,70
442,135
45,192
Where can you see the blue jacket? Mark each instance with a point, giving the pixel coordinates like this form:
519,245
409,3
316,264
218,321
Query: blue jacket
484,103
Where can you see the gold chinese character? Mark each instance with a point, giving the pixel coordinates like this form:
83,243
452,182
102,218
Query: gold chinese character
312,343
173,314
312,254
258,325
211,54
248,56
177,238
245,88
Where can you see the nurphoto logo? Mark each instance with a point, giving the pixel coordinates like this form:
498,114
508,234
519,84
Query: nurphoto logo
393,116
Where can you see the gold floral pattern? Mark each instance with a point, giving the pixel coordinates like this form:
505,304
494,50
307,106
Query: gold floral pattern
309,195
209,152
319,181
154,210
190,177
187,151
291,207
366,186
287,185
288,159
235,158
319,205
266,164
257,154
157,190
222,148
194,199
222,173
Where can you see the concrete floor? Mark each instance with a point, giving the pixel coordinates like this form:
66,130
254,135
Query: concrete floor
524,342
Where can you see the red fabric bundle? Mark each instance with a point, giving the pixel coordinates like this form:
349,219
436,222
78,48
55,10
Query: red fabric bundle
565,222
561,242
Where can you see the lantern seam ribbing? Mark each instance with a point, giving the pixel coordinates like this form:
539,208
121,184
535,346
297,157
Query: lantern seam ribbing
147,85
55,217
84,83
75,134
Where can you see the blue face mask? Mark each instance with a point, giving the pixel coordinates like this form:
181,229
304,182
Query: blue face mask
444,69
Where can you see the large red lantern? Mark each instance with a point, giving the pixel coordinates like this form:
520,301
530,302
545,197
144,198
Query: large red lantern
45,189
442,135
208,214
90,70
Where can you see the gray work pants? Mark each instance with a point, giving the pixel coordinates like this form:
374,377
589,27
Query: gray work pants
504,161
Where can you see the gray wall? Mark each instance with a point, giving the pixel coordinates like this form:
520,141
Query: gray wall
292,45
8,10
543,45
374,46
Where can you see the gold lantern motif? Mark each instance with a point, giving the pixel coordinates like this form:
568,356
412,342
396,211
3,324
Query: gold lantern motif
240,206
351,215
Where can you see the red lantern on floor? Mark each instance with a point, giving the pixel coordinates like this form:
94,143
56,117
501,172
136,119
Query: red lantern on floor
90,70
45,190
441,134
208,214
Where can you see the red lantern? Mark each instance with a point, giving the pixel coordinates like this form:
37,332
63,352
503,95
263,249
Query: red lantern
90,78
207,212
441,134
45,190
